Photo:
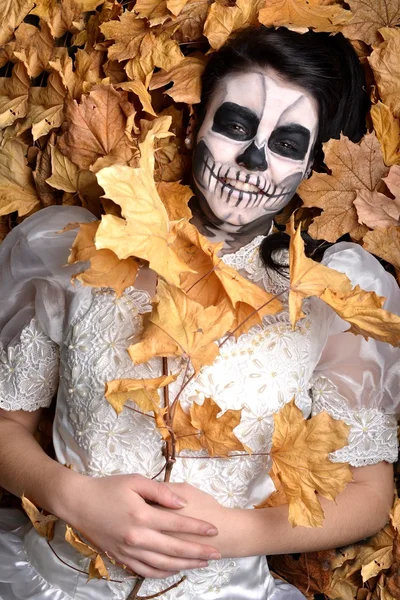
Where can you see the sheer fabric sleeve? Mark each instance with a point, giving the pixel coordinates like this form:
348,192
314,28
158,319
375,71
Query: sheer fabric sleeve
34,289
358,380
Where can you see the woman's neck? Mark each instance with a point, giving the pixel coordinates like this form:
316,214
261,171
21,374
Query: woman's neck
233,237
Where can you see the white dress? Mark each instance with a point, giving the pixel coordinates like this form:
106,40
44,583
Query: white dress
54,334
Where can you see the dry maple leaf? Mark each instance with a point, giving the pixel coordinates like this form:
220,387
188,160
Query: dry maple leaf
304,14
96,126
80,75
97,568
223,19
213,281
138,88
144,231
12,13
186,78
189,24
17,190
155,11
393,183
44,524
204,428
176,6
67,176
175,198
369,16
301,465
60,16
46,106
180,326
142,392
34,47
385,244
387,129
354,167
106,269
385,64
14,96
376,210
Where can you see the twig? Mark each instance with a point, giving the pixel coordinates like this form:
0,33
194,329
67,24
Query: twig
171,587
170,444
140,412
134,593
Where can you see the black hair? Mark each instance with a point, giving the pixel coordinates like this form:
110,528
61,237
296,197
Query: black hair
323,64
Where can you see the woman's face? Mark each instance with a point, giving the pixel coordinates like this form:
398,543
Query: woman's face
253,147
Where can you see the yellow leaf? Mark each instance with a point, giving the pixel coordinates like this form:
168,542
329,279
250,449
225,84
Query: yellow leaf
215,430
385,244
223,19
83,74
354,167
139,89
96,126
376,554
144,231
186,436
179,326
78,544
14,96
300,450
34,47
385,63
369,16
141,391
186,78
363,310
66,175
307,277
97,569
387,129
175,198
154,10
304,14
60,16
176,6
17,190
44,524
106,269
395,514
12,13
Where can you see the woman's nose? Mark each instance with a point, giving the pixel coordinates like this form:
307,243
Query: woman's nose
253,158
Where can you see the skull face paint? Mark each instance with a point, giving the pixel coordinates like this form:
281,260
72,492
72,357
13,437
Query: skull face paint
253,147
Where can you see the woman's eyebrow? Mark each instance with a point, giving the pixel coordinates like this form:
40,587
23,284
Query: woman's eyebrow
241,111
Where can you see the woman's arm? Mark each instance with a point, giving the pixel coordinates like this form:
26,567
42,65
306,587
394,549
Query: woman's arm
113,512
360,510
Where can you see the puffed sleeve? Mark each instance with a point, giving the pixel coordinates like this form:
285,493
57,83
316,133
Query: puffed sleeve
34,289
358,380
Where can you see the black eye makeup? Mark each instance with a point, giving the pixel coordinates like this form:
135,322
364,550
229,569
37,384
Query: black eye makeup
235,122
290,141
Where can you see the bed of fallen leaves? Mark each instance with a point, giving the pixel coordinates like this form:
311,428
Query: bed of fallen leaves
95,97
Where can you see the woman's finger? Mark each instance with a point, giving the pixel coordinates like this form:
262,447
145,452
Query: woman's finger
168,521
144,570
164,563
169,546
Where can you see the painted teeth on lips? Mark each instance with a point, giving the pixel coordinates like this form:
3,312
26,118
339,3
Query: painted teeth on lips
241,185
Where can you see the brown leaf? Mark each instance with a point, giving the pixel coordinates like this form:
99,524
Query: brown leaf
189,24
17,190
96,126
14,96
180,326
175,198
60,16
142,392
387,129
223,19
354,167
44,524
138,88
385,244
376,210
385,63
369,16
97,569
34,47
46,105
186,78
106,269
304,14
12,13
299,453
47,195
206,429
154,10
176,6
85,73
393,183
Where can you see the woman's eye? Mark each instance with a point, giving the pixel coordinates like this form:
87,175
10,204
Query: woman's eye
237,128
288,145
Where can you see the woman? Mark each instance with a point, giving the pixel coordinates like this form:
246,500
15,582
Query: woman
269,99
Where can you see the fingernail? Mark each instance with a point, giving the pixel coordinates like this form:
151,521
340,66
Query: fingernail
212,531
180,501
215,556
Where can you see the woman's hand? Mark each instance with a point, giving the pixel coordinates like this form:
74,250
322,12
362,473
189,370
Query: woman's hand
115,515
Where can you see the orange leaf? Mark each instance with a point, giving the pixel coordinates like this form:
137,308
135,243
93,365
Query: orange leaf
175,198
223,19
385,63
385,244
140,391
304,14
44,524
387,129
301,465
14,96
186,78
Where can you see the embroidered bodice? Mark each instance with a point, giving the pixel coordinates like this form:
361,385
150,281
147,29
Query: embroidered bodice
260,372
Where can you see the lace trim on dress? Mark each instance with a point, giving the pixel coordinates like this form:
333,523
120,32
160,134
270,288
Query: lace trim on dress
373,434
29,371
248,259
